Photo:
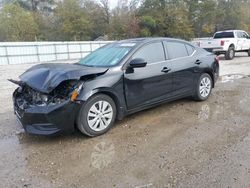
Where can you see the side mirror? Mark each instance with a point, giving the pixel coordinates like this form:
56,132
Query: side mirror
137,63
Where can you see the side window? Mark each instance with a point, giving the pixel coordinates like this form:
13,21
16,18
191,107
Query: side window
151,53
239,34
190,49
245,35
242,35
176,49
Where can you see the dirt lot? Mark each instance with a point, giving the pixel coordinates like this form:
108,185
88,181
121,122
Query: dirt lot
179,144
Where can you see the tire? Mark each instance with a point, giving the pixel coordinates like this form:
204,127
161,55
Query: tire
230,53
205,81
92,119
248,52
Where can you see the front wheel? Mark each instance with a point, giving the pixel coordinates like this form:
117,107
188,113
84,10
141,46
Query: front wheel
97,115
203,88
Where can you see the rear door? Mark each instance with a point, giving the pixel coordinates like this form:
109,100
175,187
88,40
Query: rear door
152,83
184,65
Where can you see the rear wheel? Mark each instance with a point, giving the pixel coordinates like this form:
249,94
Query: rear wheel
203,88
97,115
230,53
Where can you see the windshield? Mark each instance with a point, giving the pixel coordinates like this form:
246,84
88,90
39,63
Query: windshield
108,55
224,35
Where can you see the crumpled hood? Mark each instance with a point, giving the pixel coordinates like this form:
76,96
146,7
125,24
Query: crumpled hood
46,77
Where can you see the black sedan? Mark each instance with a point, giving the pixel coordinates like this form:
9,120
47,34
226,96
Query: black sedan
116,80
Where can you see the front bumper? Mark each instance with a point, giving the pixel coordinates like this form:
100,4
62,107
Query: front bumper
47,120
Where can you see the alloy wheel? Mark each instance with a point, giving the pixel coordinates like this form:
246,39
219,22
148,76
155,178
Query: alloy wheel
205,87
100,115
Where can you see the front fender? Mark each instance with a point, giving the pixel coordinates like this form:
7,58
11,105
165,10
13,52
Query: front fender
111,87
85,95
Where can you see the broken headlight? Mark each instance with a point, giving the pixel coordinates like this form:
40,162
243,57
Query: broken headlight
68,90
40,99
44,98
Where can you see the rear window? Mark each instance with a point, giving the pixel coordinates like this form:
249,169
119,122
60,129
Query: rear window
224,35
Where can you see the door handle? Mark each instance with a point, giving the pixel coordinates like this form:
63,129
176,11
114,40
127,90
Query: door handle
165,69
198,62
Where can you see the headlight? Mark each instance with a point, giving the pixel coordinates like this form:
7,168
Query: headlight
40,99
44,98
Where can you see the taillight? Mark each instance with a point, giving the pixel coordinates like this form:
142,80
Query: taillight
222,42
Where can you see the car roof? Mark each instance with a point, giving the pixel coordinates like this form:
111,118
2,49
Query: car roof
149,39
230,31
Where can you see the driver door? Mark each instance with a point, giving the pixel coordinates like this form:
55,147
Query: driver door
152,83
246,41
240,41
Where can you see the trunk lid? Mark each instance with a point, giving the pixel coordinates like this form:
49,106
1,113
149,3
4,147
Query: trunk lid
211,43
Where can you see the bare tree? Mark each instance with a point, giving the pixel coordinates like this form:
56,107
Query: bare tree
106,8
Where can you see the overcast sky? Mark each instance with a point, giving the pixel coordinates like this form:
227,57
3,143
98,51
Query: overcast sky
113,3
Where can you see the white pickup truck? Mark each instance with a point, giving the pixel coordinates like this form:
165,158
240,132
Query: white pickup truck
227,42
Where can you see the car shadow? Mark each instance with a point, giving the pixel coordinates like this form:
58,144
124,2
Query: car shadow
25,138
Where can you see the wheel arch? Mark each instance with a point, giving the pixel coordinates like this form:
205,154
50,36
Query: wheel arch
120,107
114,98
232,45
210,73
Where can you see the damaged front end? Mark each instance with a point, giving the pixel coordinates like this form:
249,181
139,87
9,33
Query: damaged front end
46,101
29,97
47,113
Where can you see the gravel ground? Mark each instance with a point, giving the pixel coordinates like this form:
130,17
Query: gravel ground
179,144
